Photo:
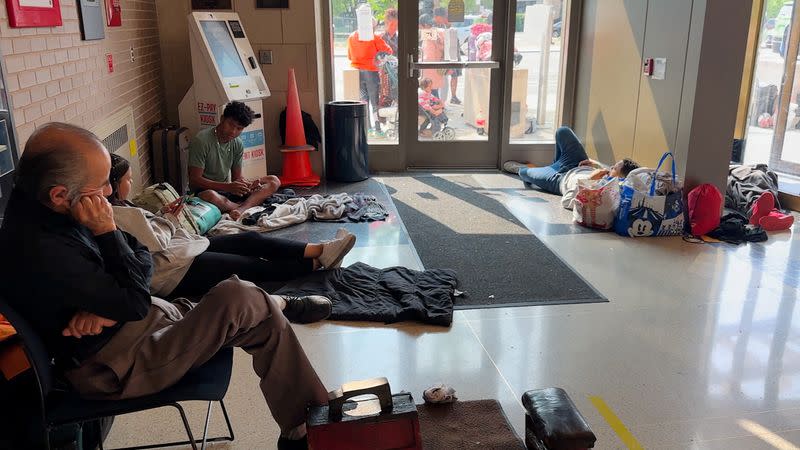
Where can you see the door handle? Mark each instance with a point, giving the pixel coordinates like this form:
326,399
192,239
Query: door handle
456,65
411,65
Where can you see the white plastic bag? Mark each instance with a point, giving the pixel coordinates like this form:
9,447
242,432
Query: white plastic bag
364,22
596,203
640,180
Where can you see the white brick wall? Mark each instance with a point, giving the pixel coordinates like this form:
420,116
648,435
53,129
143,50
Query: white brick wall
53,75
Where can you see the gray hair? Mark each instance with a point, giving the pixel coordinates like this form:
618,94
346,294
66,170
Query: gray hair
49,161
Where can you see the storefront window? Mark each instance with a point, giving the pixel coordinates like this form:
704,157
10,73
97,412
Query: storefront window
365,41
538,47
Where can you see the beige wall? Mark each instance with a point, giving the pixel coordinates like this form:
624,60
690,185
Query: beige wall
619,113
666,36
289,33
55,76
607,85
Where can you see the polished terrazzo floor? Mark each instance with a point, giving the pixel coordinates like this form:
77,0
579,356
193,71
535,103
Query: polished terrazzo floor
698,348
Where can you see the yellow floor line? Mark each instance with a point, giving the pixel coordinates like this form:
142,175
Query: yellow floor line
616,424
766,435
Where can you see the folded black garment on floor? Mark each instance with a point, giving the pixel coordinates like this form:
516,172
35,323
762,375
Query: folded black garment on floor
396,294
734,228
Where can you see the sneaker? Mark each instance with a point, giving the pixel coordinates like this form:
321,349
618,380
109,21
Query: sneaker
308,309
293,444
334,251
514,167
341,233
455,101
762,207
776,221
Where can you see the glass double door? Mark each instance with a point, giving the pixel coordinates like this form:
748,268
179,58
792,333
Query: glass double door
450,83
430,73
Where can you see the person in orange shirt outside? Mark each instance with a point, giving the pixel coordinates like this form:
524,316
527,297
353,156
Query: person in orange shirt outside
362,57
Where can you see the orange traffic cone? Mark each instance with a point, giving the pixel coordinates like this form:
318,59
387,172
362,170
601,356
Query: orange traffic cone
296,164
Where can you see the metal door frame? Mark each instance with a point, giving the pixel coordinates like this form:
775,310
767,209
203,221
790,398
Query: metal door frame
451,154
781,118
393,157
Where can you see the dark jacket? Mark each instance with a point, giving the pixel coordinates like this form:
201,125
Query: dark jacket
395,294
53,267
313,136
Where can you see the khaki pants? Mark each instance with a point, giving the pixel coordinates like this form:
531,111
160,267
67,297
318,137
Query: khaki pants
149,355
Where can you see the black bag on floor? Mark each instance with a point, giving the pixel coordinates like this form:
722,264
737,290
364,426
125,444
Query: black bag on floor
737,151
734,228
19,429
81,437
169,156
313,136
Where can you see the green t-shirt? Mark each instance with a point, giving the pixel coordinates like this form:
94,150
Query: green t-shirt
214,158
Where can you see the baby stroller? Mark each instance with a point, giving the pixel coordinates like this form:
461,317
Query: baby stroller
387,98
445,133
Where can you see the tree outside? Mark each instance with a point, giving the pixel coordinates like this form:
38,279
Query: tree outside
347,8
772,7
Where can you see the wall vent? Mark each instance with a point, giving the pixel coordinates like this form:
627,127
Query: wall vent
117,131
117,139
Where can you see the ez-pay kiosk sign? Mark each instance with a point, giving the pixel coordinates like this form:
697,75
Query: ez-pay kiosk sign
225,69
207,113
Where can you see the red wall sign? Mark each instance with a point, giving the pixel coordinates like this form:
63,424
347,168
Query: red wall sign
113,13
33,13
110,62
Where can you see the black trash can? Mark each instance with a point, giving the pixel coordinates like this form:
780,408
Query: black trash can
346,149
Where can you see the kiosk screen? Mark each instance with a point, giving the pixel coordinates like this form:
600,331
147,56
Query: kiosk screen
223,48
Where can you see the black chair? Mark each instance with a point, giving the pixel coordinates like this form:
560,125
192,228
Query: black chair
208,382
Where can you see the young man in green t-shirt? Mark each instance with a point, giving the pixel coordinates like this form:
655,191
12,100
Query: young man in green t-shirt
215,165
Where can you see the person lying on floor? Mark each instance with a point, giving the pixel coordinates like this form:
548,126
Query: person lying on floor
570,165
190,264
84,285
215,165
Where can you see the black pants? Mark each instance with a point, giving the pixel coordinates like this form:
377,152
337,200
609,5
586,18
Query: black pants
369,84
251,255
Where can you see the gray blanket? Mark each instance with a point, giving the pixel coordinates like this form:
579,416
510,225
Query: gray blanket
746,183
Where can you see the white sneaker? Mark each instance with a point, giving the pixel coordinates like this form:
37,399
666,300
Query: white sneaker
514,167
334,251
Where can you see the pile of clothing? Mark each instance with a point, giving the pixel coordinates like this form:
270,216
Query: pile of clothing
287,208
734,228
752,191
746,183
751,202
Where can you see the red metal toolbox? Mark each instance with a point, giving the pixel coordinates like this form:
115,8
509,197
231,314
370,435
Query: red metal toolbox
346,424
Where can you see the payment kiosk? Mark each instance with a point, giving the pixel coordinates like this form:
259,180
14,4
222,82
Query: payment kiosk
225,69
